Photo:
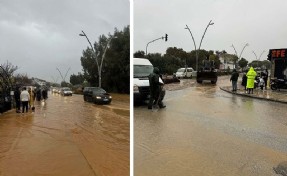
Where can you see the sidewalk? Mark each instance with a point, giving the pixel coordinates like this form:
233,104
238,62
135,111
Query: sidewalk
268,95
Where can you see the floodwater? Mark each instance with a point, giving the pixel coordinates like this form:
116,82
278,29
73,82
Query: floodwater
206,131
67,136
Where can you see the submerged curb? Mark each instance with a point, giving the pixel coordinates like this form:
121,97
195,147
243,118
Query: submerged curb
228,89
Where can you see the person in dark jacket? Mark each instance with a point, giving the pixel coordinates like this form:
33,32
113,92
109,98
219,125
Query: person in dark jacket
17,99
38,94
264,75
234,79
155,89
44,94
244,80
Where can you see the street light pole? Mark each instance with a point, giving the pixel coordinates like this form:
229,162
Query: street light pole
96,57
243,50
255,55
94,53
103,56
258,59
196,55
240,52
196,52
261,54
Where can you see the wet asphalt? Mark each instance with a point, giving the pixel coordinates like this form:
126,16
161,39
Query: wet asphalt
67,136
207,131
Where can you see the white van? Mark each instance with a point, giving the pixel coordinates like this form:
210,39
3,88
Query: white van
142,69
185,73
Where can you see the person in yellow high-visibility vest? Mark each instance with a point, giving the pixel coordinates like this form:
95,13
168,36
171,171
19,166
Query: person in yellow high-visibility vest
251,75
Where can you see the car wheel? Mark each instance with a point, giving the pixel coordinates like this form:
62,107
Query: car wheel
85,98
199,81
213,82
273,87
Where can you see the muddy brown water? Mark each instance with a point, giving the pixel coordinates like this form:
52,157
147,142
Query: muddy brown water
205,131
67,136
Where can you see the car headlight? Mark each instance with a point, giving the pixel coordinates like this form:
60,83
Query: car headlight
110,97
97,97
136,88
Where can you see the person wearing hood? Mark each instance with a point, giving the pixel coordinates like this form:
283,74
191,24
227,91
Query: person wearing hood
155,89
244,80
251,74
234,79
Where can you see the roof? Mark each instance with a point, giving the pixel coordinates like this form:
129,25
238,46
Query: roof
141,61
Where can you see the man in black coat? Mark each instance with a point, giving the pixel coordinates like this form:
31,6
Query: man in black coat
155,89
234,78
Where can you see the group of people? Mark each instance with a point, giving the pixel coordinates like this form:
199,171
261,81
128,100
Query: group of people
248,80
26,98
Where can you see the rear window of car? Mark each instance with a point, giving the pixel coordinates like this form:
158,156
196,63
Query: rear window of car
66,89
181,70
98,90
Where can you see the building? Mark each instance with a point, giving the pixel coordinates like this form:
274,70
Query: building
278,58
226,62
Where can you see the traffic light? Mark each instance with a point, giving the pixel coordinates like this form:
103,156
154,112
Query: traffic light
166,37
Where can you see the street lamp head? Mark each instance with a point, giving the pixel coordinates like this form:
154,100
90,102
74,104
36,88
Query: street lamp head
211,23
82,35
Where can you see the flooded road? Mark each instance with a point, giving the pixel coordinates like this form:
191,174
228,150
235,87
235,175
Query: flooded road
67,136
206,131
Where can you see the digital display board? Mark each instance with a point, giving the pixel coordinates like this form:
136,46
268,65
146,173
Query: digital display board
277,53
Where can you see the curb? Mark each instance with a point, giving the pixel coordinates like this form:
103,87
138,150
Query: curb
252,96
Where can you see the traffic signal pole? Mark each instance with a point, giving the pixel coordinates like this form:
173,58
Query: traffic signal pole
154,41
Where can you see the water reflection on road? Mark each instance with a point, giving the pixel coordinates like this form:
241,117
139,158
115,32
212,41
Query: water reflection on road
66,136
205,131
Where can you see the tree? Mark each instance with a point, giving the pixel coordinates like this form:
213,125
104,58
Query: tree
77,79
116,69
64,84
6,76
22,79
139,54
242,63
116,65
89,65
267,64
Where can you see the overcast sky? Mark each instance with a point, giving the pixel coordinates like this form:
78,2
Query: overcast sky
260,23
41,35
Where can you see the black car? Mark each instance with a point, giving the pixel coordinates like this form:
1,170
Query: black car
96,95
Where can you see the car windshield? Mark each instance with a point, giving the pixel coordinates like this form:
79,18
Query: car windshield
181,70
142,70
66,89
98,90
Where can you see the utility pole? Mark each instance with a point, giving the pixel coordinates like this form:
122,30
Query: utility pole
196,50
99,65
240,52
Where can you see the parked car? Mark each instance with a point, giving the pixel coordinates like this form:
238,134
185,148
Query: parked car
96,95
184,73
56,90
66,91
